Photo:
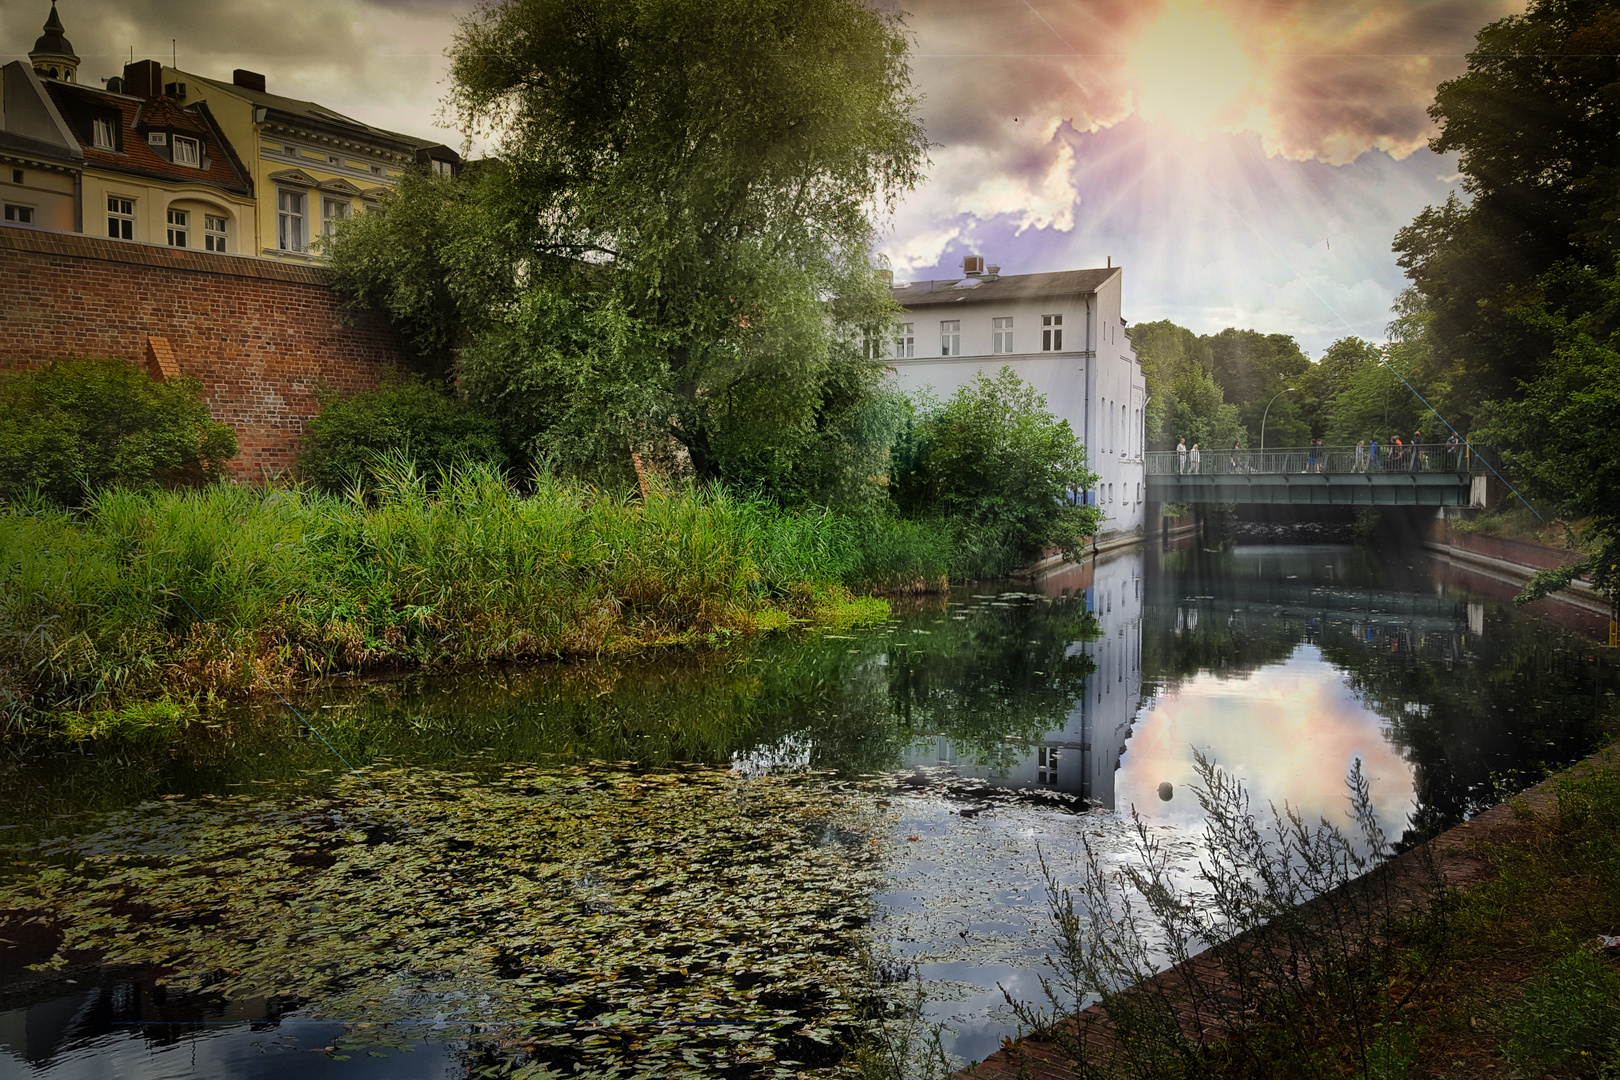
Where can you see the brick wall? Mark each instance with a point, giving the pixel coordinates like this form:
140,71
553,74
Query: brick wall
261,336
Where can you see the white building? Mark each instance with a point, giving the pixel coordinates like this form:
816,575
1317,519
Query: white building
1062,333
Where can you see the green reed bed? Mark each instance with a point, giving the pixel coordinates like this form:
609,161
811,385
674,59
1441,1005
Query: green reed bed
147,594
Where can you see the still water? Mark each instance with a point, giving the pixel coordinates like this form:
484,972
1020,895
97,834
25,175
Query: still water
728,861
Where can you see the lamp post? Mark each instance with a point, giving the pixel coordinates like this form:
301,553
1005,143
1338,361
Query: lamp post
1274,397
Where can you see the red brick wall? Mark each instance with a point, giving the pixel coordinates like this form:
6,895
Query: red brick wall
261,336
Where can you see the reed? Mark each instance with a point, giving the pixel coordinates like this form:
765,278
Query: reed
142,594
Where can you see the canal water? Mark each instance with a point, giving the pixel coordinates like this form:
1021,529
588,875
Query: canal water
733,861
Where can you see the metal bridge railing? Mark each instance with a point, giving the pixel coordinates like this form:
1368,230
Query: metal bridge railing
1305,460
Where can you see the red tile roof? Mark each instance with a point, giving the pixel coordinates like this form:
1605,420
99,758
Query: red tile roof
79,105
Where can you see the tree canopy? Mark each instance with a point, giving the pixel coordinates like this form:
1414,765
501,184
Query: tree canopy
670,249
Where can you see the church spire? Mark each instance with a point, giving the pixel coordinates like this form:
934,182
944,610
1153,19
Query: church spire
53,56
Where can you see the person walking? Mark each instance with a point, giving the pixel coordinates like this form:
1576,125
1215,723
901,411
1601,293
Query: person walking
1417,449
1193,458
1361,456
1372,458
1397,453
1181,456
1451,453
1236,463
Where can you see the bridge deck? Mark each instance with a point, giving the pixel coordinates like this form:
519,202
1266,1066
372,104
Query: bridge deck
1332,476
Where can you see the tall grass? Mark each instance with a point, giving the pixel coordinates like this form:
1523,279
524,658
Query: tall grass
185,592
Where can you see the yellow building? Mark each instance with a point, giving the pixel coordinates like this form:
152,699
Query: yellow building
163,156
311,166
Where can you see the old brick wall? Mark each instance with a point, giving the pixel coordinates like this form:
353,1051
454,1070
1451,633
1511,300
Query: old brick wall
261,336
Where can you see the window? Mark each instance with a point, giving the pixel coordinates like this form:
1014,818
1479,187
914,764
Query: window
905,342
440,168
187,152
213,232
1051,333
157,138
179,220
101,134
290,235
120,218
1046,763
19,215
377,169
16,176
289,148
950,338
332,159
332,212
1001,335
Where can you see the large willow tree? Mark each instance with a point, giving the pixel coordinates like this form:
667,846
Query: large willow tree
670,248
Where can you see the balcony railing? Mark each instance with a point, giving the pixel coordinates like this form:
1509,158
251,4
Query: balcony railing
1305,460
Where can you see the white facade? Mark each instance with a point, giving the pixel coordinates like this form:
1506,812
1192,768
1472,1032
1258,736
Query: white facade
1063,334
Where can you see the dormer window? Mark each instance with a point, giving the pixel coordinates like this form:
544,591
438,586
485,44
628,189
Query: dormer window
101,134
187,152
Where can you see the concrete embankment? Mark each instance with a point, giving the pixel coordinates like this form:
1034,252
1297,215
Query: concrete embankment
1510,562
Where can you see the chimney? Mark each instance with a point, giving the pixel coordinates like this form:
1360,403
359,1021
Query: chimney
143,79
973,266
247,80
992,272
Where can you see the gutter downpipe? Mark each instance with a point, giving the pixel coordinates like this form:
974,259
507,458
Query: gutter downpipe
1091,386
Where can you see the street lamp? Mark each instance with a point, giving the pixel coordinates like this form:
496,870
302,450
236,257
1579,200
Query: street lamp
1274,397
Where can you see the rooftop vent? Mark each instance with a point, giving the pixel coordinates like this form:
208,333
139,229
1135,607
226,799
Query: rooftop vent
992,272
248,80
176,90
887,277
973,266
115,85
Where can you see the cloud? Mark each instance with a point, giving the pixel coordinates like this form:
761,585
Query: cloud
1324,80
380,61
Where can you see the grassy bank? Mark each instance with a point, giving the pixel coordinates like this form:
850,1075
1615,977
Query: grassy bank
143,596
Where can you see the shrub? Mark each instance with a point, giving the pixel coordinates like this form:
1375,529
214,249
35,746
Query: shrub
343,442
994,459
77,426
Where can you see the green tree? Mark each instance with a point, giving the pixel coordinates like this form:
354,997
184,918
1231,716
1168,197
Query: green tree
1252,368
1200,414
1558,435
996,459
77,426
1167,352
343,441
1327,378
1535,125
671,247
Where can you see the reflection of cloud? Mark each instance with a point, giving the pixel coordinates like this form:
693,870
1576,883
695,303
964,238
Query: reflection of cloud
1290,732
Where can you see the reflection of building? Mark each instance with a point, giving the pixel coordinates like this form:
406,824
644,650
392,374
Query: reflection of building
1081,757
1063,334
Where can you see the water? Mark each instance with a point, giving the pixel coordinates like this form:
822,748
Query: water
726,859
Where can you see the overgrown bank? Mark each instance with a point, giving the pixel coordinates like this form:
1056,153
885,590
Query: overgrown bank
144,596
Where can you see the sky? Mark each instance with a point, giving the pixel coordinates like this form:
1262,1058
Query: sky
1246,162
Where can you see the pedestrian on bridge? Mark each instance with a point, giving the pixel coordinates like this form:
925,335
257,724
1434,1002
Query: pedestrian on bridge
1181,456
1193,458
1417,449
1453,459
1361,455
1237,463
1397,453
1374,458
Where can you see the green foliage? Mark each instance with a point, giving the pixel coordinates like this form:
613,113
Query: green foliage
192,592
78,426
1570,1018
1167,352
995,459
345,440
1534,125
1252,368
646,262
1200,415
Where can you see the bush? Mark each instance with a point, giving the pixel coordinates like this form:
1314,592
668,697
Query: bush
344,441
995,460
82,425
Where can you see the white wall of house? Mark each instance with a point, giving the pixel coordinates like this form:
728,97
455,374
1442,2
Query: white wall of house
1098,388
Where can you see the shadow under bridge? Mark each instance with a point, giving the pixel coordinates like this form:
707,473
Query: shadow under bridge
1428,475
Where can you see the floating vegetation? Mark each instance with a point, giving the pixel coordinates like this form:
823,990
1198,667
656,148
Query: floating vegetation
588,921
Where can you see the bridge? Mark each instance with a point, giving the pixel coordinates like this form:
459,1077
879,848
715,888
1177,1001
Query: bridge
1427,475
